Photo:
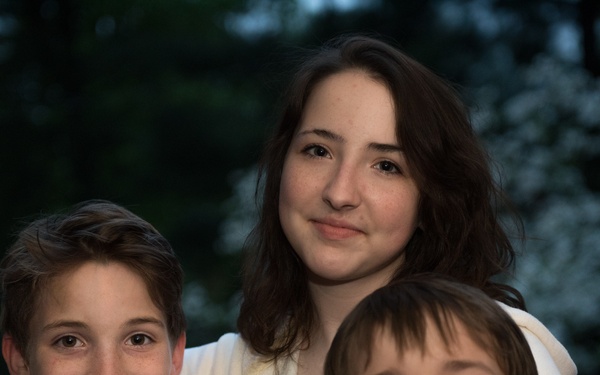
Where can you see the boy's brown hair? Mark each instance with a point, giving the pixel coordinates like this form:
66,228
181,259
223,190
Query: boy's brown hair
94,231
404,308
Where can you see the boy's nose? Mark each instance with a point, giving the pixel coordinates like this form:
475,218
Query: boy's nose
107,362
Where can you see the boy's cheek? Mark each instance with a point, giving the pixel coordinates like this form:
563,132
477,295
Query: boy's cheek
177,356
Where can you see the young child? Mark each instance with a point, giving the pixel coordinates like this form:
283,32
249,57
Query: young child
429,325
97,290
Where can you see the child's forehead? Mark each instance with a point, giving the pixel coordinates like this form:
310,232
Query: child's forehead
70,277
94,290
444,330
391,349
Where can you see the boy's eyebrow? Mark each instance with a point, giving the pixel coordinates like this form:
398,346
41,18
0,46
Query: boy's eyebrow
382,147
144,320
454,366
460,365
77,324
64,323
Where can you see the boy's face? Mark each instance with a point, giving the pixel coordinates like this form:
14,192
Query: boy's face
462,357
99,319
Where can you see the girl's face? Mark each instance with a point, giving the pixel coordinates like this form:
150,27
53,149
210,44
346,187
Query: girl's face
348,204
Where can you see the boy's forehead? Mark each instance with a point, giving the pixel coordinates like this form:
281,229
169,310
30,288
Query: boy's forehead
445,329
432,352
94,292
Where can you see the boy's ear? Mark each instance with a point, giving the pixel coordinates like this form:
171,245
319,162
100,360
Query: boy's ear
17,365
177,357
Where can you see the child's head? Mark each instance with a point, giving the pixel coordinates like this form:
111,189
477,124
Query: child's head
428,324
76,285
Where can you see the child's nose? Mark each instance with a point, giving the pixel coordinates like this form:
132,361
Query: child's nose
107,362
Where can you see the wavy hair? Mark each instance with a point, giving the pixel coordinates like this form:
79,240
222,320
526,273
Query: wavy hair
460,234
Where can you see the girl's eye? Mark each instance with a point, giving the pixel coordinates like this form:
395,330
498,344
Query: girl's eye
387,167
316,151
69,342
139,340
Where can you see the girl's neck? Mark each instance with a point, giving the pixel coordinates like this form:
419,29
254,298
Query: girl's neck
333,302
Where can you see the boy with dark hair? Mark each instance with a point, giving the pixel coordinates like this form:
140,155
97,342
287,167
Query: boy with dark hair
97,289
429,325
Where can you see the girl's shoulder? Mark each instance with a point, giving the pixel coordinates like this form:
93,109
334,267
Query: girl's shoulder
550,355
231,355
213,358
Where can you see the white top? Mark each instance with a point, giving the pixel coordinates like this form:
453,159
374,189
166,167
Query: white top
232,356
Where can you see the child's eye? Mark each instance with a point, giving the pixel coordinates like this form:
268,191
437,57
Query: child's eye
316,151
69,342
387,166
139,339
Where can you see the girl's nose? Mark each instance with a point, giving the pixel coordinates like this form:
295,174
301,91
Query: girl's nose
342,191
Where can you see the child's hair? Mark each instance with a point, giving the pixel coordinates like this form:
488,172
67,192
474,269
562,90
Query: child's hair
404,307
94,231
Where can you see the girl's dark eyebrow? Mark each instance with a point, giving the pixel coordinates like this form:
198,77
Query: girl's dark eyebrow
324,133
382,147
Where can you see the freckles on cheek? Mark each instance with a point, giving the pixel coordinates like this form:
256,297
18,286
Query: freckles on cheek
46,364
289,187
283,194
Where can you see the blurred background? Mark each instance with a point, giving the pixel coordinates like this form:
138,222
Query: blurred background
162,106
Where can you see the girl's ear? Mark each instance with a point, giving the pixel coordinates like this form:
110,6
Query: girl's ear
17,364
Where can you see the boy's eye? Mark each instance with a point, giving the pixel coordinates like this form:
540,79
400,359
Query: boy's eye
139,339
69,342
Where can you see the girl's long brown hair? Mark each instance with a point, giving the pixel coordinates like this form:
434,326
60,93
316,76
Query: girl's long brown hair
460,233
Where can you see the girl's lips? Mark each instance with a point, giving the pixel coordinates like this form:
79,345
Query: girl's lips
336,231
